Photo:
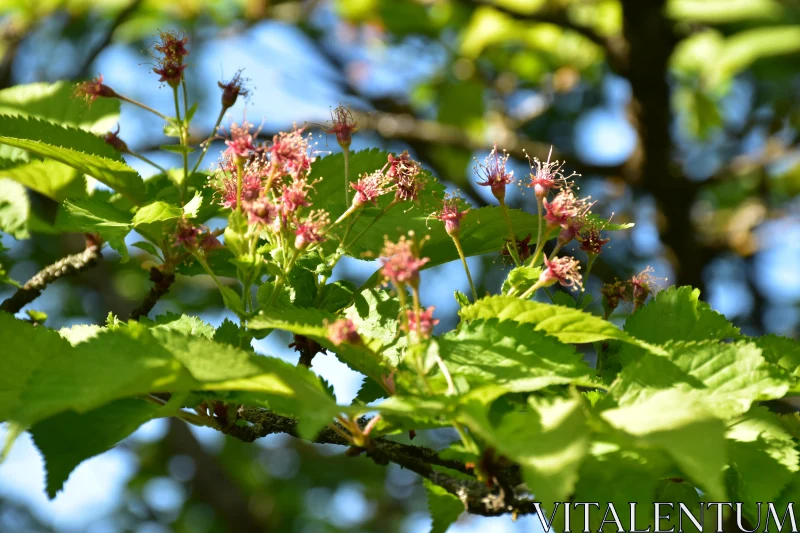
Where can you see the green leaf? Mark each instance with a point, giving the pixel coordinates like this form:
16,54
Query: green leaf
227,333
232,300
520,279
549,440
565,324
680,425
763,459
153,218
678,314
336,296
192,207
188,325
444,507
781,351
96,216
725,378
45,375
76,148
147,247
509,354
311,322
57,103
50,178
69,438
14,209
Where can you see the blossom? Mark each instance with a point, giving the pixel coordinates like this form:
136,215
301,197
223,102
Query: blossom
612,294
232,89
295,195
421,323
564,270
566,210
171,49
591,239
400,262
92,89
225,183
494,173
261,211
240,144
343,331
405,174
289,153
344,126
311,229
546,176
186,234
369,188
451,214
643,285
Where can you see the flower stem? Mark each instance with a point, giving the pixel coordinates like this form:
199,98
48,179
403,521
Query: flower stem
143,106
457,242
239,172
346,153
540,237
374,220
151,163
207,142
527,294
589,264
512,245
469,443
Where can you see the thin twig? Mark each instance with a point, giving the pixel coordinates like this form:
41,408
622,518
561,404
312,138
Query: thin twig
71,264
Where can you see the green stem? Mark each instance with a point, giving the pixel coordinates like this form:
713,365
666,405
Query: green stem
401,296
346,153
374,221
207,142
239,173
527,294
457,242
143,106
540,237
512,245
151,163
592,257
469,443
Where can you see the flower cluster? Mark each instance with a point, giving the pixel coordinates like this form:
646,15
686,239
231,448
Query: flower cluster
343,331
546,176
420,323
369,187
170,53
406,175
401,263
90,90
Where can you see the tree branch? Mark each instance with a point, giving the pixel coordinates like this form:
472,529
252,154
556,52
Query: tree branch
478,498
83,70
162,282
71,264
616,48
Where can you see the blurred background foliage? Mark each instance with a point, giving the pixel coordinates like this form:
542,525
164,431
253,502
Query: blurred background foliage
681,116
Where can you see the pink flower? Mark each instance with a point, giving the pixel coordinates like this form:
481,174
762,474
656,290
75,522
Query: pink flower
564,270
289,153
369,188
547,176
343,331
451,214
643,285
225,184
494,173
240,144
422,323
311,230
261,211
294,196
92,89
405,174
400,263
344,126
566,210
